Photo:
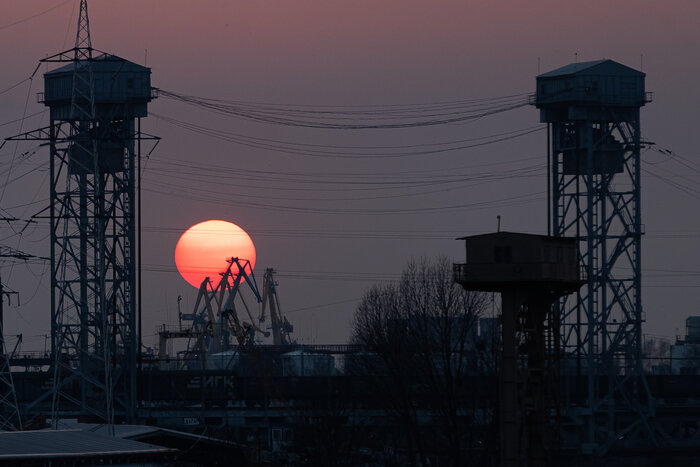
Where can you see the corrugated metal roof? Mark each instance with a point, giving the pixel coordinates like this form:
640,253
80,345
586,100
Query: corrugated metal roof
603,67
69,443
120,431
136,432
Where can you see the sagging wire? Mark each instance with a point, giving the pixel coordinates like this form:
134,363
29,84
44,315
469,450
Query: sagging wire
360,117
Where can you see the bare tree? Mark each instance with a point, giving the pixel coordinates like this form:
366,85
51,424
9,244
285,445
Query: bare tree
420,335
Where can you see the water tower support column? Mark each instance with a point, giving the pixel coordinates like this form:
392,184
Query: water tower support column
531,272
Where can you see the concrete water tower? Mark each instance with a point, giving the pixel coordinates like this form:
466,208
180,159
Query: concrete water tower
592,110
96,102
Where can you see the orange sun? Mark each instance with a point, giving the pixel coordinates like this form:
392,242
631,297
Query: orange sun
203,250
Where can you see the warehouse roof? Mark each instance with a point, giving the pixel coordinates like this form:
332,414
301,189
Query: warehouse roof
52,444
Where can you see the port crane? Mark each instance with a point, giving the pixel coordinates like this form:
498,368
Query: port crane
281,328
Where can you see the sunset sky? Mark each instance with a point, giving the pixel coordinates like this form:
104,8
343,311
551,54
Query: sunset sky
314,218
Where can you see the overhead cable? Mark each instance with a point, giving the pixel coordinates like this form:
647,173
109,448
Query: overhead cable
356,118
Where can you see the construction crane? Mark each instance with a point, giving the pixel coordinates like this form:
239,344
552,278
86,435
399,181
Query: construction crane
281,328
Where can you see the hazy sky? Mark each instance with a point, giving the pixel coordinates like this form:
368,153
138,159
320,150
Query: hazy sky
315,218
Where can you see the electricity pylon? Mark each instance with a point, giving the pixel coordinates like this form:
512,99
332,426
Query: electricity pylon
10,418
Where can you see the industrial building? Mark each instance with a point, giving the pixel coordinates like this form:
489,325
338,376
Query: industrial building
685,353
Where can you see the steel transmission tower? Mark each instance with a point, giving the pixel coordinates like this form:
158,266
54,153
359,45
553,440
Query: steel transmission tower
593,109
96,102
10,418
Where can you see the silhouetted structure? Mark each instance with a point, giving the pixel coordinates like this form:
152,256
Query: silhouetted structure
10,418
685,353
96,102
593,109
530,272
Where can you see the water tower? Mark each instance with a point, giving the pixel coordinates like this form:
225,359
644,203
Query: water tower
530,272
96,102
592,110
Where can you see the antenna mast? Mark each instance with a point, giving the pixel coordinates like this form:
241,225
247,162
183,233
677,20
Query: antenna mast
82,36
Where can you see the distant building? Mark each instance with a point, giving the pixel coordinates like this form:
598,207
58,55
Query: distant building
303,363
685,353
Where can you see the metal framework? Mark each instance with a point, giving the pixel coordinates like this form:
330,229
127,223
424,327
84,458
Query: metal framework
95,140
93,266
10,415
280,326
10,418
595,197
215,318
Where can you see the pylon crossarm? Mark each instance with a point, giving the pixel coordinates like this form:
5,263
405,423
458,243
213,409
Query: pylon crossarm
42,134
62,57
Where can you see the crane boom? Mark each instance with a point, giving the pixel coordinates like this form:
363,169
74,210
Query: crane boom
281,328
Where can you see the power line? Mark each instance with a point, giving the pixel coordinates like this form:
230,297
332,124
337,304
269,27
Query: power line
24,116
36,15
226,172
353,108
406,117
335,234
165,178
41,112
349,152
503,202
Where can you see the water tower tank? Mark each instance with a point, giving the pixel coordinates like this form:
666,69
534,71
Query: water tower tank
598,91
578,90
515,259
122,88
122,91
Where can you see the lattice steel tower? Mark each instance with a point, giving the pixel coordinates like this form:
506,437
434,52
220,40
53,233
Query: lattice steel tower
593,109
96,102
10,416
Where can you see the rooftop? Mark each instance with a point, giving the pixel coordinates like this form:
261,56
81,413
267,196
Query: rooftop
104,63
598,67
54,444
